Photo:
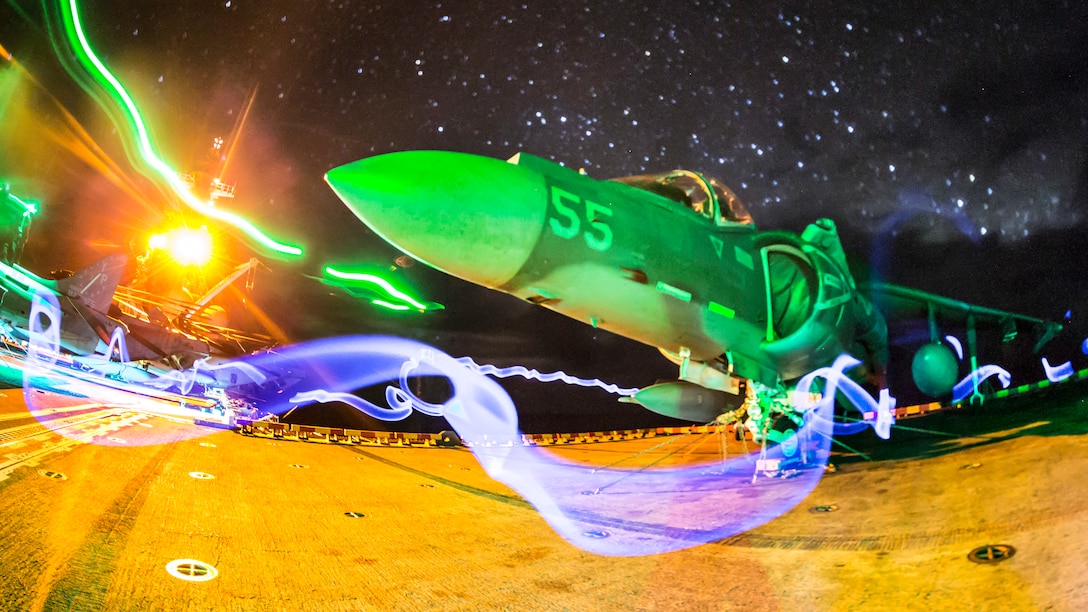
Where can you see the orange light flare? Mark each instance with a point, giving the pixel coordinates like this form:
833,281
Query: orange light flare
261,316
235,136
104,245
34,126
186,246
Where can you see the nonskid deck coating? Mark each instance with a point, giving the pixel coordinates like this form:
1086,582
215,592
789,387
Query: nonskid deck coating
439,534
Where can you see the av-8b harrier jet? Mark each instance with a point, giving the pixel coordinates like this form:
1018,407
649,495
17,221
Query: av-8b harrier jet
671,260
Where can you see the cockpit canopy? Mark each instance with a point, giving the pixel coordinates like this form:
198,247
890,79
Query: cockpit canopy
705,196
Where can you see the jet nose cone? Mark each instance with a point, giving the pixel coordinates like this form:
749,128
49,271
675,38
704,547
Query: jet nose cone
474,217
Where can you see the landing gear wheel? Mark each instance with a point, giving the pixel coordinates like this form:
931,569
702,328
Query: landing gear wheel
784,433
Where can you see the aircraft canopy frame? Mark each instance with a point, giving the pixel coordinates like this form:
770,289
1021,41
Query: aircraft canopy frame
705,196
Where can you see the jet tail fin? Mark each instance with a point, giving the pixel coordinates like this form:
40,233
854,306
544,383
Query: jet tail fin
95,284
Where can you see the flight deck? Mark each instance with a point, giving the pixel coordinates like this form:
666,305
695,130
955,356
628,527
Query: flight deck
985,521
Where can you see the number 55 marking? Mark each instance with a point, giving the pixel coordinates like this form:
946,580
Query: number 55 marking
568,224
598,234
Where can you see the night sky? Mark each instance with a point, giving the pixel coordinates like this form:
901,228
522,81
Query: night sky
950,143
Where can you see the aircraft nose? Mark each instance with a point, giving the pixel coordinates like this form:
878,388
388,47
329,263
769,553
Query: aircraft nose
474,217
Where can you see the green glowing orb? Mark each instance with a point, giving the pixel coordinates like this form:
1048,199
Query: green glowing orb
935,369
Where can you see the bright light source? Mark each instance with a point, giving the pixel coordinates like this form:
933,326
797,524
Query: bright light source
86,56
191,246
186,246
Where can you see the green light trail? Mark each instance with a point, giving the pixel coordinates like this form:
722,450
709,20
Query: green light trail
99,71
30,206
389,305
386,287
31,282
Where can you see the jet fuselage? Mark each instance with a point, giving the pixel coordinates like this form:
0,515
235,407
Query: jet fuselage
671,260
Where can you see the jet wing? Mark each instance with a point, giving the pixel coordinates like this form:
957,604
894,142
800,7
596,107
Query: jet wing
906,302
